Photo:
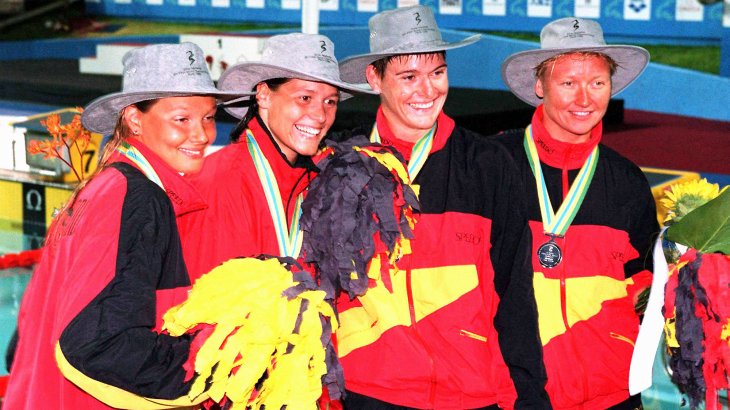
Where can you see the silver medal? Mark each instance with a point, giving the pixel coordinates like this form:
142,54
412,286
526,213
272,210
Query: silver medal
549,254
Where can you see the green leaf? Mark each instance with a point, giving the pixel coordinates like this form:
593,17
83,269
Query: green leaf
707,228
641,301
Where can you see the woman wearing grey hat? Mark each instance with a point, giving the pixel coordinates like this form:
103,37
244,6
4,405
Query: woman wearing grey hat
457,326
113,260
591,212
256,184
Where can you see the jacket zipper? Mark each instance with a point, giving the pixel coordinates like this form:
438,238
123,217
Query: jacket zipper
293,193
563,287
414,327
563,291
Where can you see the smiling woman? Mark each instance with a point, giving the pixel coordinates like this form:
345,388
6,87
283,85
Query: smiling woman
112,260
298,113
575,92
259,181
178,129
256,185
413,90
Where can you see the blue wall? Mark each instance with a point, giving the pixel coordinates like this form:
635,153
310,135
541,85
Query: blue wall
660,88
661,19
70,48
652,21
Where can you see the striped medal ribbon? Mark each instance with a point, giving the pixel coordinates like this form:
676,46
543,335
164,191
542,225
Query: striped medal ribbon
419,152
289,239
556,224
141,162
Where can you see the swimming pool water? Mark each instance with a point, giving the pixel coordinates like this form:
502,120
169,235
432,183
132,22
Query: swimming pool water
13,282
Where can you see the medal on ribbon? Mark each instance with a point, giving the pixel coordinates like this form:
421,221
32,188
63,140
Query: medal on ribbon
555,224
549,253
289,238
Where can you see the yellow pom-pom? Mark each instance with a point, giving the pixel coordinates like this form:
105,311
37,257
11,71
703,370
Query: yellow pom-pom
254,335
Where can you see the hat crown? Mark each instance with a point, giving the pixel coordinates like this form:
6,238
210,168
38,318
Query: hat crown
308,57
166,68
401,31
571,32
309,54
395,28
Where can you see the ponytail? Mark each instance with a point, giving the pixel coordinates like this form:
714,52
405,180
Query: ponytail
253,109
251,113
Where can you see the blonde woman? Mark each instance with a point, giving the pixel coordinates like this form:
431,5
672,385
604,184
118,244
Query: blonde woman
113,261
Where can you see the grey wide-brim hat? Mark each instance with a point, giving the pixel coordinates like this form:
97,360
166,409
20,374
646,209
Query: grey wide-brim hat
296,55
567,35
406,30
152,72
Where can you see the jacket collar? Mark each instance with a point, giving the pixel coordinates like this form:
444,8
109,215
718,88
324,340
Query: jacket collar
290,177
271,148
560,154
183,196
444,128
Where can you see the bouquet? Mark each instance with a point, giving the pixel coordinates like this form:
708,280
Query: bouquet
697,296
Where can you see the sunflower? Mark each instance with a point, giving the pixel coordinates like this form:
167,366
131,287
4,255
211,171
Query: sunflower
681,199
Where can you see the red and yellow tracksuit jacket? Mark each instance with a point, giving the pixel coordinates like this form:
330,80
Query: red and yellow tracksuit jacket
586,309
448,328
89,321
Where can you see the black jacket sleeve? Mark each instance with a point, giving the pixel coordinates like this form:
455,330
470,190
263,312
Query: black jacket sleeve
111,342
516,318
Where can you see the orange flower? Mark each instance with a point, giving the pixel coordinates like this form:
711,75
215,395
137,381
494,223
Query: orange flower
75,132
34,147
64,137
52,124
46,148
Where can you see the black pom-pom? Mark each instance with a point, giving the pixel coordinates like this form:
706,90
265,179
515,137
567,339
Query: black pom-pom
353,202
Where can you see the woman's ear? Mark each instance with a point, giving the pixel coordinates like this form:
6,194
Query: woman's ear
132,118
373,78
263,95
539,91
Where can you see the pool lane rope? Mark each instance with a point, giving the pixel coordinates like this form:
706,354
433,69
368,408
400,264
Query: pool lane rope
24,259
